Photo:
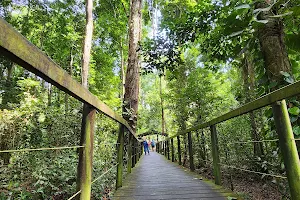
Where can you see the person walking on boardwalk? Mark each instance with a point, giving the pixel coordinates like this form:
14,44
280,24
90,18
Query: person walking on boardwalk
146,147
153,145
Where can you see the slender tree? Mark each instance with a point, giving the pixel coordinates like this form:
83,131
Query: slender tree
133,70
87,43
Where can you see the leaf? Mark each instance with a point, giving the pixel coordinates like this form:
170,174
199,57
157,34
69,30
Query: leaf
264,21
236,33
286,74
282,15
272,84
294,110
41,118
242,6
296,130
289,79
293,119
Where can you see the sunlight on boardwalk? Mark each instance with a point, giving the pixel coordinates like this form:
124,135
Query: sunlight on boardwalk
156,178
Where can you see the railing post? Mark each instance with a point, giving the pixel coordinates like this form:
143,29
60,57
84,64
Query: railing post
141,148
172,146
136,152
130,141
179,150
84,170
120,152
168,149
133,152
288,147
165,148
215,154
191,153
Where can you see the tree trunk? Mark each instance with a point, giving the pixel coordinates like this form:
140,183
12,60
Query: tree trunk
122,72
71,73
271,38
87,43
130,107
162,108
249,82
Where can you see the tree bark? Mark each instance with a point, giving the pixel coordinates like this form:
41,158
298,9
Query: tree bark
122,72
249,82
271,38
71,73
87,43
162,108
130,103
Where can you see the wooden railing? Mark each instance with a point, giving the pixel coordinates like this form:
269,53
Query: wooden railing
283,127
19,50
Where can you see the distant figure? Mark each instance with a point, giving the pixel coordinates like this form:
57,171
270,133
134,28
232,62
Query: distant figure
146,147
153,144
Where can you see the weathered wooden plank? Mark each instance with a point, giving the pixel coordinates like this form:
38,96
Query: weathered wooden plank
165,180
282,93
21,51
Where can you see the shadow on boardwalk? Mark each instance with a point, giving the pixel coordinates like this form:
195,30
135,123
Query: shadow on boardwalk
156,178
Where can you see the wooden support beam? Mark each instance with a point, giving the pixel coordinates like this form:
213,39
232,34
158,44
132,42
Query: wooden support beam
129,152
84,172
120,154
215,154
288,147
179,150
17,48
173,153
168,149
191,153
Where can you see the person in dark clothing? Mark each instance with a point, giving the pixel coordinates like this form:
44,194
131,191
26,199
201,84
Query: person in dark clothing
153,145
146,147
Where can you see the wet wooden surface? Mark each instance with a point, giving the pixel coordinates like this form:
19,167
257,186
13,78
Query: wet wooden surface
157,178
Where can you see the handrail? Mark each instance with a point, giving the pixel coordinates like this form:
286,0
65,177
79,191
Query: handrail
282,93
20,50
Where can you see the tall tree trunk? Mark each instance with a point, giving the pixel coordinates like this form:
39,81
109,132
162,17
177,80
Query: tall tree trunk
271,38
71,73
162,107
248,77
130,108
87,43
122,72
84,81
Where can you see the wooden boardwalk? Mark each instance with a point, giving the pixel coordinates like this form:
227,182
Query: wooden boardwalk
157,178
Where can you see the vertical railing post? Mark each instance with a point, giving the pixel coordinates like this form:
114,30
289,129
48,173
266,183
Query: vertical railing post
215,154
165,148
288,147
173,153
139,150
133,152
120,152
157,144
168,149
129,152
179,150
84,170
142,148
136,152
191,153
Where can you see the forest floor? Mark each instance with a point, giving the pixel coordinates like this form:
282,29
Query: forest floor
248,186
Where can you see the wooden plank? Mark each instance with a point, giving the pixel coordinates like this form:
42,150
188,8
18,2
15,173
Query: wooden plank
21,51
165,180
282,93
